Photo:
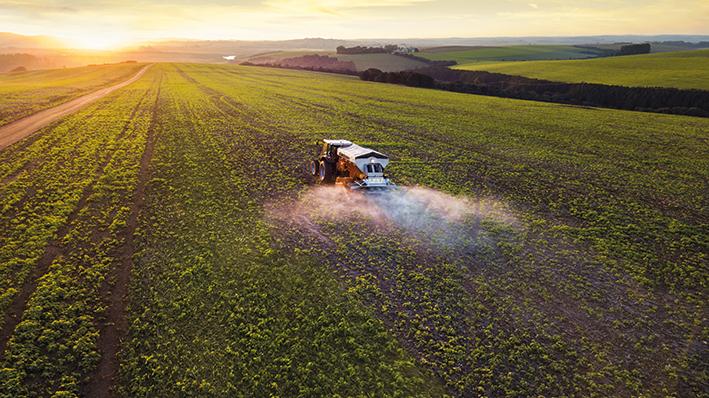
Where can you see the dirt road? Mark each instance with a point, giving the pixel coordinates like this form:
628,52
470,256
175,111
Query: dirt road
19,129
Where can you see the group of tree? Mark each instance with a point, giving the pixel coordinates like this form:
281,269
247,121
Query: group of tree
407,78
633,49
387,49
652,99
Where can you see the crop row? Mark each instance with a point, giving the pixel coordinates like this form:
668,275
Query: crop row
588,272
218,310
64,238
25,93
590,285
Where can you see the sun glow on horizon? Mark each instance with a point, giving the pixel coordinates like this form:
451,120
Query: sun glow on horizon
112,25
96,42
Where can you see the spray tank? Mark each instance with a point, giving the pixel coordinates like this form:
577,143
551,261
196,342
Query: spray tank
340,162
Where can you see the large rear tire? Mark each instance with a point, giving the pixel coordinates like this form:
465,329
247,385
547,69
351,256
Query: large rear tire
314,168
326,172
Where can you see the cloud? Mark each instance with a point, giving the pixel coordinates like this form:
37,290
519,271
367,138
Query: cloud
35,8
334,7
131,20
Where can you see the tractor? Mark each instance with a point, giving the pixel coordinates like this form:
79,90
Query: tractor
340,162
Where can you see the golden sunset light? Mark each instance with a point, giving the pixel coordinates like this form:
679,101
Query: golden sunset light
354,198
286,19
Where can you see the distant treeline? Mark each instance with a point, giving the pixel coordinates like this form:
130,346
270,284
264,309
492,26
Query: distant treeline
408,78
388,49
649,99
634,49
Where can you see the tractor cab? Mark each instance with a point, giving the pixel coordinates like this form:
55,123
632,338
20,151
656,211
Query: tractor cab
328,148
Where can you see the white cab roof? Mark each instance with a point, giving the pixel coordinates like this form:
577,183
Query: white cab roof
339,143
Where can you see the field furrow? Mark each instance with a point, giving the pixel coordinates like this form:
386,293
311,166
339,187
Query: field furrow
168,241
205,258
552,265
25,93
53,346
114,289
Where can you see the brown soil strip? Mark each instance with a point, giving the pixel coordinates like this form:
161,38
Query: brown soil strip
115,327
52,251
19,129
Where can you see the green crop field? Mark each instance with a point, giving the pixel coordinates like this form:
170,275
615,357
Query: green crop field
24,93
475,55
575,264
681,69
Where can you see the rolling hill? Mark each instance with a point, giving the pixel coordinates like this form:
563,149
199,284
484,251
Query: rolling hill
466,55
681,69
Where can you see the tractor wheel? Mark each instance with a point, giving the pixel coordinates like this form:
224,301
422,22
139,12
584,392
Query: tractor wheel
314,168
326,172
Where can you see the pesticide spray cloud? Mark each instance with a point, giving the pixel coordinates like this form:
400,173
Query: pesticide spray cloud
428,214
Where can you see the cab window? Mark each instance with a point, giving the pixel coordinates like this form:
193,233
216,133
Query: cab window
374,168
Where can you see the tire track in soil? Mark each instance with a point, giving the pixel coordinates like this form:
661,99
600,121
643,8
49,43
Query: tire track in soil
26,167
115,326
53,250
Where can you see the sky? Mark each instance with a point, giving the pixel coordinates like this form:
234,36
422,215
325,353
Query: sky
115,23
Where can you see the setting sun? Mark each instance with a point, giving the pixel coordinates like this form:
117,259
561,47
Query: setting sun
97,42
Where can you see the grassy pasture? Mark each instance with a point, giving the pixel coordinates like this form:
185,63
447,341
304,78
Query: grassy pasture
681,69
24,93
383,62
475,55
598,289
